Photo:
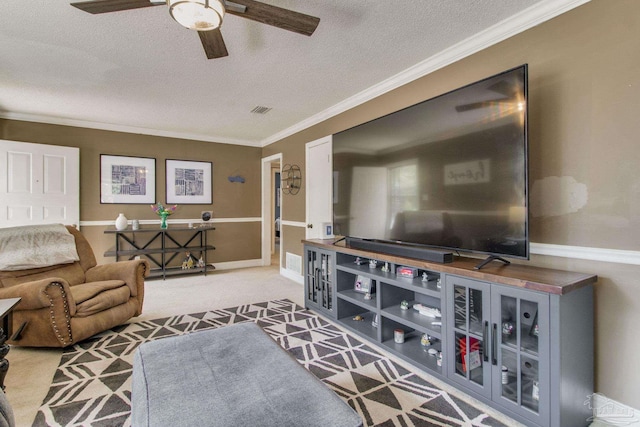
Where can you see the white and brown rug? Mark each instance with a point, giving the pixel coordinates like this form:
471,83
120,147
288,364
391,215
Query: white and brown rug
92,385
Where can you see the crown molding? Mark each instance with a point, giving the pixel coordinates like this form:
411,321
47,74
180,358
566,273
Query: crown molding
528,18
122,128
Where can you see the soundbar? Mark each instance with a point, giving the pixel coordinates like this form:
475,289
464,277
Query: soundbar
425,254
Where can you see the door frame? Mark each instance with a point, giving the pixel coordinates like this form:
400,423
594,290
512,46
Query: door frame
267,208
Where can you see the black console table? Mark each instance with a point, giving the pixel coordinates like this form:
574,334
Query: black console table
6,308
162,246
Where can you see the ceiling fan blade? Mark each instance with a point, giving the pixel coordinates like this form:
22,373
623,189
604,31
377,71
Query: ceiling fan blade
213,43
105,6
276,16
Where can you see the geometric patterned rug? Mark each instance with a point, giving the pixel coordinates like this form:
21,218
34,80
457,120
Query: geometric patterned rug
92,385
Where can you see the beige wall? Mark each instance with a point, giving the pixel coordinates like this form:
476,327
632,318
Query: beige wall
584,87
233,241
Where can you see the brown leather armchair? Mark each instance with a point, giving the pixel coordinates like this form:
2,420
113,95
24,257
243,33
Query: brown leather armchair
67,303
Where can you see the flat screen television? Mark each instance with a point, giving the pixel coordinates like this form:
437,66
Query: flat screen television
447,173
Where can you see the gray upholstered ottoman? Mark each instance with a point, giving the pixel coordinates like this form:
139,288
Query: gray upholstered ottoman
231,376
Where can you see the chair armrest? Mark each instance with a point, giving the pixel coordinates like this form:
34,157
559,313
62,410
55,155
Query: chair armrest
131,272
50,292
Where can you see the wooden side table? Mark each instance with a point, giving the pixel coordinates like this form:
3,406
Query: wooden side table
6,309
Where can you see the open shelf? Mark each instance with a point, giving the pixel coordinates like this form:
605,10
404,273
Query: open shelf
361,327
414,319
416,352
178,271
357,298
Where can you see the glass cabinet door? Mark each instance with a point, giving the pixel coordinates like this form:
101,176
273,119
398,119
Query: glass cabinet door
319,279
520,342
469,363
324,276
311,273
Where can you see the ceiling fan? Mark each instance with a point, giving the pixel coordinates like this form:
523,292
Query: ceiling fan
205,17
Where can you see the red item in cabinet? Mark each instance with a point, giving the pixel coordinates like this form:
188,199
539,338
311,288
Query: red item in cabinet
474,345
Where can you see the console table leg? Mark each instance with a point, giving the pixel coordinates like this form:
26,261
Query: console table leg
4,363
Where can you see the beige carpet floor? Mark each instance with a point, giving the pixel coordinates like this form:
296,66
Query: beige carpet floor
31,370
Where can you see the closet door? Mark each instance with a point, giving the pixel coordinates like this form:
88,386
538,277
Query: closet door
39,184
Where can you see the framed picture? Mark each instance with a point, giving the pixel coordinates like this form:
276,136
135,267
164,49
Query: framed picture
363,284
129,180
189,182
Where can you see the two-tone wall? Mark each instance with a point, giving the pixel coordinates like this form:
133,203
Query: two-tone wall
584,92
236,206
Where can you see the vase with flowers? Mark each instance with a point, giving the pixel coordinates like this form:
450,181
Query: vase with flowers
163,212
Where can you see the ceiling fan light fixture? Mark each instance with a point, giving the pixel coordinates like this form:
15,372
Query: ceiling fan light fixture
199,15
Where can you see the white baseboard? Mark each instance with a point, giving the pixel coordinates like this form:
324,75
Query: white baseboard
232,265
608,412
298,278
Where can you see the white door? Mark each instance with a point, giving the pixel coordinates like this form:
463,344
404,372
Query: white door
319,186
39,184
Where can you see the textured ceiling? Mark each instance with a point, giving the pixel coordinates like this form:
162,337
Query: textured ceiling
139,71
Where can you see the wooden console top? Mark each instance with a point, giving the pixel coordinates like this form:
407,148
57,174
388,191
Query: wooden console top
547,280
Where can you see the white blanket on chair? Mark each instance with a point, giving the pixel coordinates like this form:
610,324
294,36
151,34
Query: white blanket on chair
35,246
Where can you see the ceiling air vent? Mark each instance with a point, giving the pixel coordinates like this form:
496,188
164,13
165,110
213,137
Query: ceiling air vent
261,110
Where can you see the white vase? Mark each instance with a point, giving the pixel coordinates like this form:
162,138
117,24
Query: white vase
121,222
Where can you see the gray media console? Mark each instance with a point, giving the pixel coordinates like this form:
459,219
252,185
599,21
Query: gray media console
516,337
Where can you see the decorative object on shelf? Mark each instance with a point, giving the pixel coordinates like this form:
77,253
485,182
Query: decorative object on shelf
206,215
408,272
189,182
291,179
358,261
404,305
439,283
374,322
363,284
507,329
163,213
535,391
373,263
432,352
425,277
135,224
425,341
367,296
439,358
385,267
189,261
201,263
121,222
427,311
505,375
127,179
358,318
398,336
